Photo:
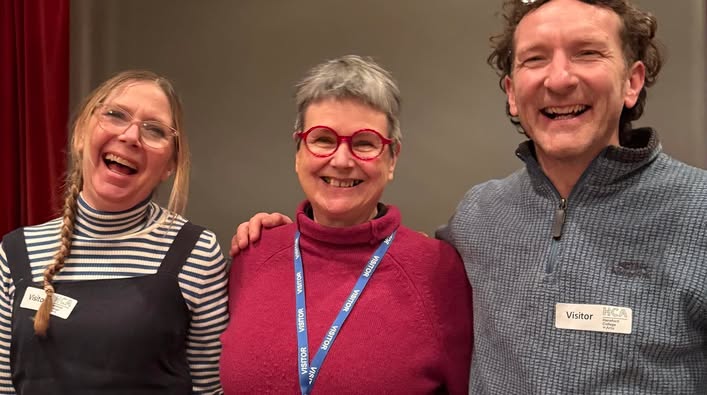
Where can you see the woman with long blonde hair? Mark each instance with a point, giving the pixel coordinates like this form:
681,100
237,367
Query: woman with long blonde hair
118,294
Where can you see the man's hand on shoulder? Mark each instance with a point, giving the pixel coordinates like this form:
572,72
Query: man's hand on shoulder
249,232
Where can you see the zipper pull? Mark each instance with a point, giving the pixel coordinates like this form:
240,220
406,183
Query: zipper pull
559,221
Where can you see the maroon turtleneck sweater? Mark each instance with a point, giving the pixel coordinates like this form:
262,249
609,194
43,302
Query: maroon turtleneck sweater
409,333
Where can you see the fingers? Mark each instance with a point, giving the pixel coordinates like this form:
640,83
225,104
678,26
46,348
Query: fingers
274,220
254,226
235,249
249,232
239,241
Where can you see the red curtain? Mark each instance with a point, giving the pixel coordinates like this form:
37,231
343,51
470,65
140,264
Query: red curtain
34,76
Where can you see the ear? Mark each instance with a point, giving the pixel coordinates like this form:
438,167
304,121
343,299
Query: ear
167,173
394,161
636,78
171,166
297,154
508,87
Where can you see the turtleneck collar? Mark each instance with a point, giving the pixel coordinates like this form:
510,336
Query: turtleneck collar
613,164
370,232
94,223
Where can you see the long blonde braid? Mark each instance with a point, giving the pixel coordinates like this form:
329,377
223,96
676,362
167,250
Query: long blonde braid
41,320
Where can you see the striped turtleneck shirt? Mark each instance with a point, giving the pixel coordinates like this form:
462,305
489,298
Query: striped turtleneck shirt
126,244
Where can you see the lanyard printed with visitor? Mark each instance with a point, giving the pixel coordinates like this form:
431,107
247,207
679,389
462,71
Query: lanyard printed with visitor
309,372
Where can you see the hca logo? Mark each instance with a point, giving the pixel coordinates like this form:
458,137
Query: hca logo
615,312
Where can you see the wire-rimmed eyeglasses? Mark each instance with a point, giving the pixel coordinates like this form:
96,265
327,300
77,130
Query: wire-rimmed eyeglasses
116,120
364,144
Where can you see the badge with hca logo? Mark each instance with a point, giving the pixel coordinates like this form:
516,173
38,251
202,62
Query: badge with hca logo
593,317
62,307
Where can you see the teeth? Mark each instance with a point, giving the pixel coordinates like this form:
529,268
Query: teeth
122,161
341,183
565,109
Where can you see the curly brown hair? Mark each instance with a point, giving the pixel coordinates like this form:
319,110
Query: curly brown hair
637,35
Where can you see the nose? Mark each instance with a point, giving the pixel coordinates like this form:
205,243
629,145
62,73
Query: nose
343,156
131,135
560,76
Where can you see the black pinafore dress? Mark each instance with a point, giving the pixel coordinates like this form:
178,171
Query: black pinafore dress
124,336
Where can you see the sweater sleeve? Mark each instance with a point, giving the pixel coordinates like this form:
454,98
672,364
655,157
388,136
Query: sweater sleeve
5,325
440,279
447,232
454,313
203,282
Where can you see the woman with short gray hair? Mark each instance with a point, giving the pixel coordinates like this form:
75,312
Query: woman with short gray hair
389,308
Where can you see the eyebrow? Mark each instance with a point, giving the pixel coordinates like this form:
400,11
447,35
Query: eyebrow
589,39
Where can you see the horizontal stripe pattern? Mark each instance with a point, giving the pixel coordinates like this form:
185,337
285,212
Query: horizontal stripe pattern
123,245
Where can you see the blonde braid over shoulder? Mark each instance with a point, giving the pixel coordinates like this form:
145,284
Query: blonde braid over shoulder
41,320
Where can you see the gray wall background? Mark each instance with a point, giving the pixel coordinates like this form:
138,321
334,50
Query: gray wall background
235,63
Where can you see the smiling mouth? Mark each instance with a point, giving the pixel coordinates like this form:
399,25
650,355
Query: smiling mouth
341,183
119,165
565,112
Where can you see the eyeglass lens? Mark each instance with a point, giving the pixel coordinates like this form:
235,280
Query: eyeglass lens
364,144
117,120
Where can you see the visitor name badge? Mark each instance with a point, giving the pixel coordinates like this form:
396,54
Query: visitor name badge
63,305
593,317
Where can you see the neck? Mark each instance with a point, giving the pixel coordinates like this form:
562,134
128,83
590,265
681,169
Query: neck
564,171
103,224
563,175
334,221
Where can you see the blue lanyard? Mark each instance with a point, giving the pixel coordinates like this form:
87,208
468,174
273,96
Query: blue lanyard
308,373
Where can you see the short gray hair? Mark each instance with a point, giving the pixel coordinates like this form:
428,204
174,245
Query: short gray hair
352,77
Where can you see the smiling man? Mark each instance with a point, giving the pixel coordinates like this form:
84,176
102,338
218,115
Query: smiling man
588,264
